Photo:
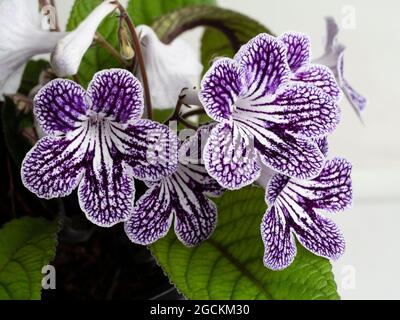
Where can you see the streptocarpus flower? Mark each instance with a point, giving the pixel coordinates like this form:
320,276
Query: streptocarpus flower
293,209
21,38
96,140
68,53
333,58
302,70
263,116
180,196
169,67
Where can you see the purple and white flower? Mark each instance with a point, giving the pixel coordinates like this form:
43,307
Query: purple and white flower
293,207
264,117
181,197
302,70
333,58
97,142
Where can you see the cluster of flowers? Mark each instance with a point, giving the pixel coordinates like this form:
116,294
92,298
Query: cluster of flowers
272,109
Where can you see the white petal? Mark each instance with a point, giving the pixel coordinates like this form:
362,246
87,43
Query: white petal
169,67
67,56
21,38
11,84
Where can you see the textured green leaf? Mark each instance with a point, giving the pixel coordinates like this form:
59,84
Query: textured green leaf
237,27
26,245
229,265
146,12
216,43
227,30
96,58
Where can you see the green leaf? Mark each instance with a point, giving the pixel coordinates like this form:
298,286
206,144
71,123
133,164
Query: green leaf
227,30
146,12
230,264
30,77
14,122
96,58
26,245
237,27
161,115
141,11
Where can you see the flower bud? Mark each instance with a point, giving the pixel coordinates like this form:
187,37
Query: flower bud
67,56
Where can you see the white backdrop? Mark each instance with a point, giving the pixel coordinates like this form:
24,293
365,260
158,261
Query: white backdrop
369,268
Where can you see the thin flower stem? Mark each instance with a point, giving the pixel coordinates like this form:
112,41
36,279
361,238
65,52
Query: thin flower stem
187,123
76,78
139,55
43,3
177,114
106,45
193,113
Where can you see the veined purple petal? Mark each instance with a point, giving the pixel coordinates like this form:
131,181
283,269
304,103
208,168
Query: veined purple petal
281,151
266,69
306,111
59,106
321,77
116,93
150,148
106,192
320,235
301,109
323,145
220,88
152,216
276,185
53,167
195,214
192,164
230,157
330,191
298,49
280,247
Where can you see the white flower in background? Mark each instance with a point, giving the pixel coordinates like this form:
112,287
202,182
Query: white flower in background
67,56
169,67
333,58
21,38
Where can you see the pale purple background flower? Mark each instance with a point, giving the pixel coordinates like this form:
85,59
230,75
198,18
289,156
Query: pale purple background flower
334,59
181,197
97,142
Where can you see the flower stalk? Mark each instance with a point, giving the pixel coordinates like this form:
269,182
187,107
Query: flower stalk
99,39
136,45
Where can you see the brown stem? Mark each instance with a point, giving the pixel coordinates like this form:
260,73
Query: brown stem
106,45
43,3
187,123
76,78
193,113
177,115
139,55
